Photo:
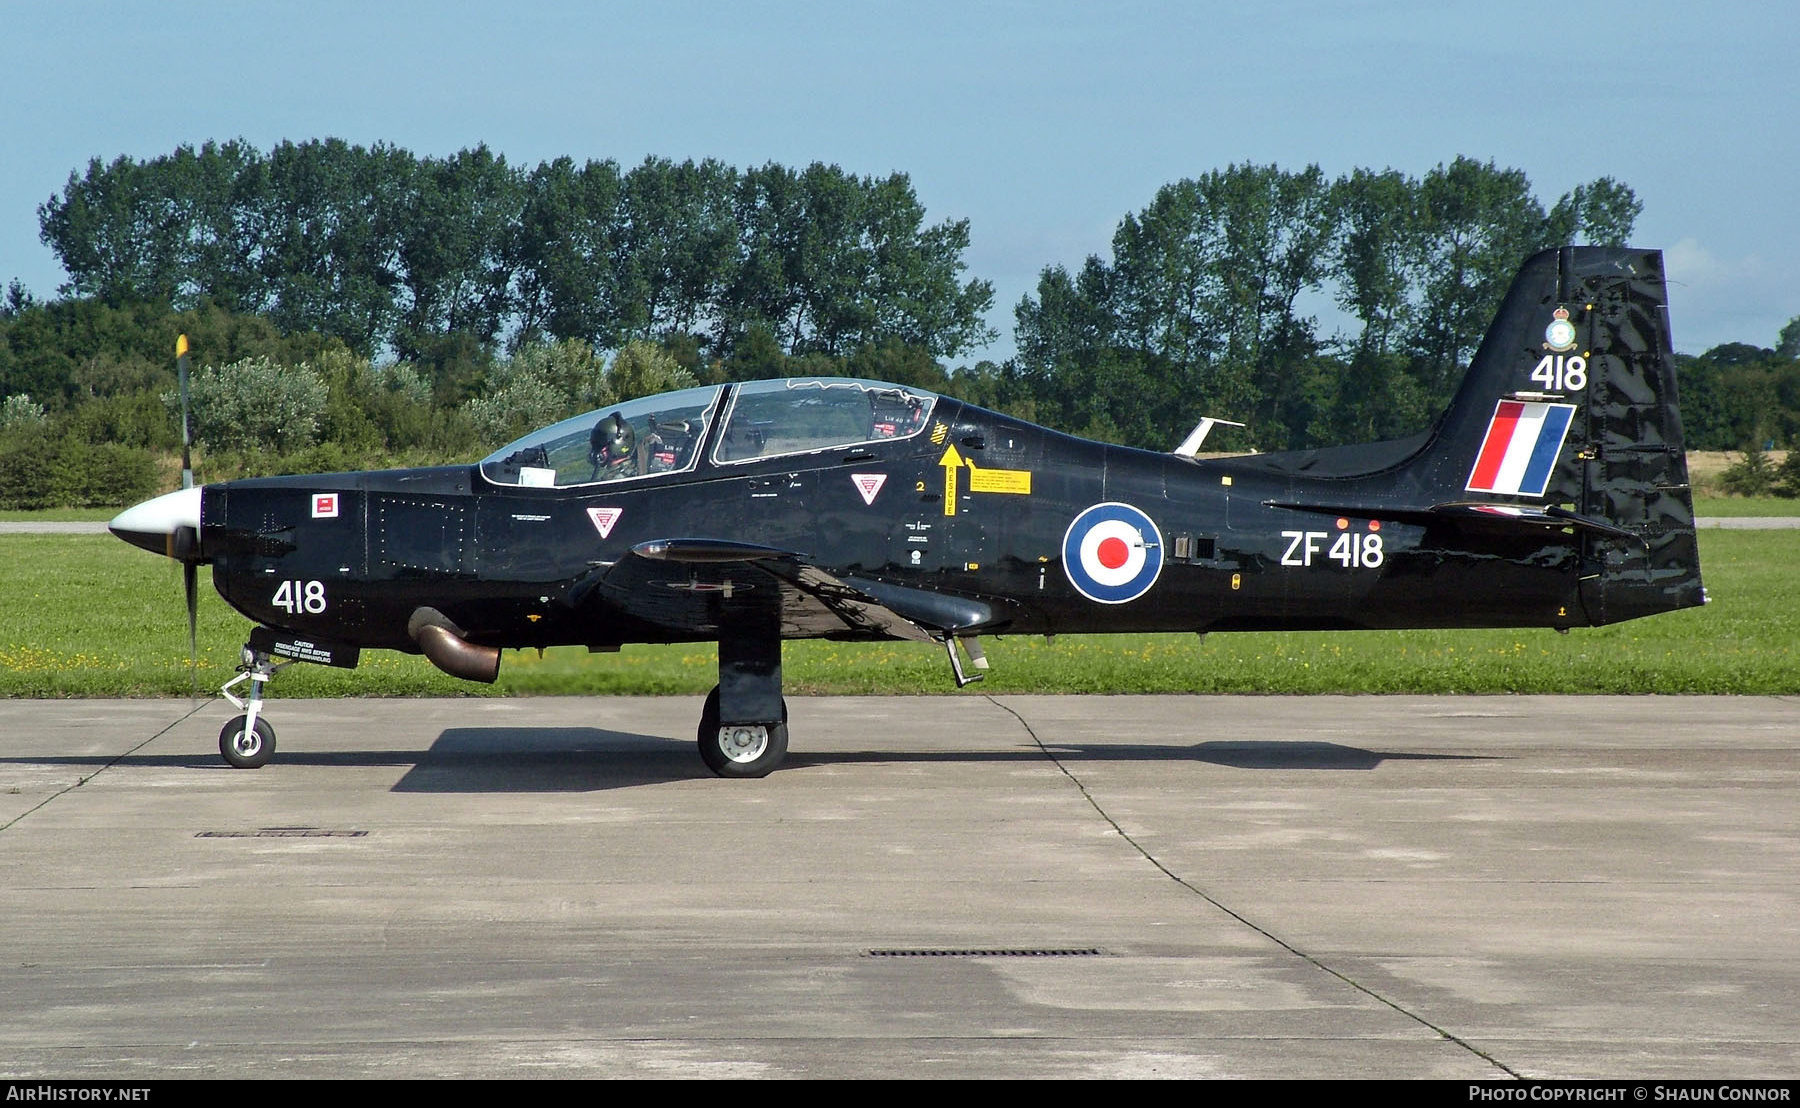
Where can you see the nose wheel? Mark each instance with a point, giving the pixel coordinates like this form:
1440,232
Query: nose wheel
247,744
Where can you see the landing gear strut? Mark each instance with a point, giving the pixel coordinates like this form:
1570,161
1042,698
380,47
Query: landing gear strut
743,728
248,742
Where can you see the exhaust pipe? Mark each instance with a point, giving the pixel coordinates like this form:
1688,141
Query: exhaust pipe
443,643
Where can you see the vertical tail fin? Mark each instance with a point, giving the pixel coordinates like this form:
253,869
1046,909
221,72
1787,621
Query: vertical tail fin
1568,416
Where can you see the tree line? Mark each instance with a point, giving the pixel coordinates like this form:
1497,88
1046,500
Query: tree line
353,307
1207,304
387,251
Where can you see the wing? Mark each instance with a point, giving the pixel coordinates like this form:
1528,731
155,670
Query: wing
686,586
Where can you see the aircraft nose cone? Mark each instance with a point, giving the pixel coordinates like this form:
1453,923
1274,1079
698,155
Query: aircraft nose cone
156,523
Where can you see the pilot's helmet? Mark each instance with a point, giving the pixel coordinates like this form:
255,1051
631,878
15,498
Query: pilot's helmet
613,438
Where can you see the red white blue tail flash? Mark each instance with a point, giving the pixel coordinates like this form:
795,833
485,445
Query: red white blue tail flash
1520,451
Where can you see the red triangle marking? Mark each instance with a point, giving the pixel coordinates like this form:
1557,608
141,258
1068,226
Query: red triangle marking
604,518
868,484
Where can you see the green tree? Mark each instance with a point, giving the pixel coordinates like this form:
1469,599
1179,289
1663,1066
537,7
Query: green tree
644,369
679,242
329,226
1197,313
1378,235
1751,475
18,300
1477,223
1787,476
19,411
566,252
1738,397
1601,212
1788,344
455,248
832,264
118,233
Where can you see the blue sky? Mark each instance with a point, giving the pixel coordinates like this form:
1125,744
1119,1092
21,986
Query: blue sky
1042,123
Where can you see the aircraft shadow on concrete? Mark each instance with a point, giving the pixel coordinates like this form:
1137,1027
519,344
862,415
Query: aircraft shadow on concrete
1248,754
465,759
548,759
582,759
1311,755
575,759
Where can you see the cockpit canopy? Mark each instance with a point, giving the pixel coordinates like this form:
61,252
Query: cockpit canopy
669,432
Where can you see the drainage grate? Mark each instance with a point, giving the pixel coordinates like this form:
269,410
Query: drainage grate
998,952
282,833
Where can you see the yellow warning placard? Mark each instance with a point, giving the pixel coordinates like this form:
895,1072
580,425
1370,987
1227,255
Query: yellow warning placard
1016,481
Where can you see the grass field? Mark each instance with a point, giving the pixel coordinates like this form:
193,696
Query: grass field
1745,506
86,615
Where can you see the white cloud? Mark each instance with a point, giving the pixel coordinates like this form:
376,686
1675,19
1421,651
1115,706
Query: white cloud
1715,299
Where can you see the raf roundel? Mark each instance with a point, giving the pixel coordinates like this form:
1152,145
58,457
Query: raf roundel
1112,553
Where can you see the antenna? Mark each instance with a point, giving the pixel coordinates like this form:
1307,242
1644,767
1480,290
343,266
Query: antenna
1191,445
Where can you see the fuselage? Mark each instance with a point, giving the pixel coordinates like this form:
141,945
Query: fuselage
974,505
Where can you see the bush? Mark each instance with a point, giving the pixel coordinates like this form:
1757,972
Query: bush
256,404
39,471
644,369
1752,475
1787,476
535,387
19,411
133,419
27,469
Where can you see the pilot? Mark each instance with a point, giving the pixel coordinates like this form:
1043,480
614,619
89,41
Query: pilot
612,448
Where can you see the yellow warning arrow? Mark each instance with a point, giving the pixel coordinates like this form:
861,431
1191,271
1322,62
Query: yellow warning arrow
952,461
1014,481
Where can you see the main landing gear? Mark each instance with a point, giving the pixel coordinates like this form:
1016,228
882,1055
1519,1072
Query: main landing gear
740,749
743,728
248,742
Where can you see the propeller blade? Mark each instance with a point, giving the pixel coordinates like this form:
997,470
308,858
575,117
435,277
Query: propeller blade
190,582
181,372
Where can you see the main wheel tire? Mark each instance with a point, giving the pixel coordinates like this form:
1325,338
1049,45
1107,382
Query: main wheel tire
744,749
247,748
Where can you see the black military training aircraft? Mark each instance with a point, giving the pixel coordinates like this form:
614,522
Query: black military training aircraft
1552,493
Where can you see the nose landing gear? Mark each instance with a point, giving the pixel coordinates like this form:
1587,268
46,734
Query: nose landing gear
248,742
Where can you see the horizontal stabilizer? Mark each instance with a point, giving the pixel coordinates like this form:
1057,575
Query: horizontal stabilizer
1478,513
1551,516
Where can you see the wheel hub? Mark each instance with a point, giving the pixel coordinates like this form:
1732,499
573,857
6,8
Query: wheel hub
744,742
247,743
